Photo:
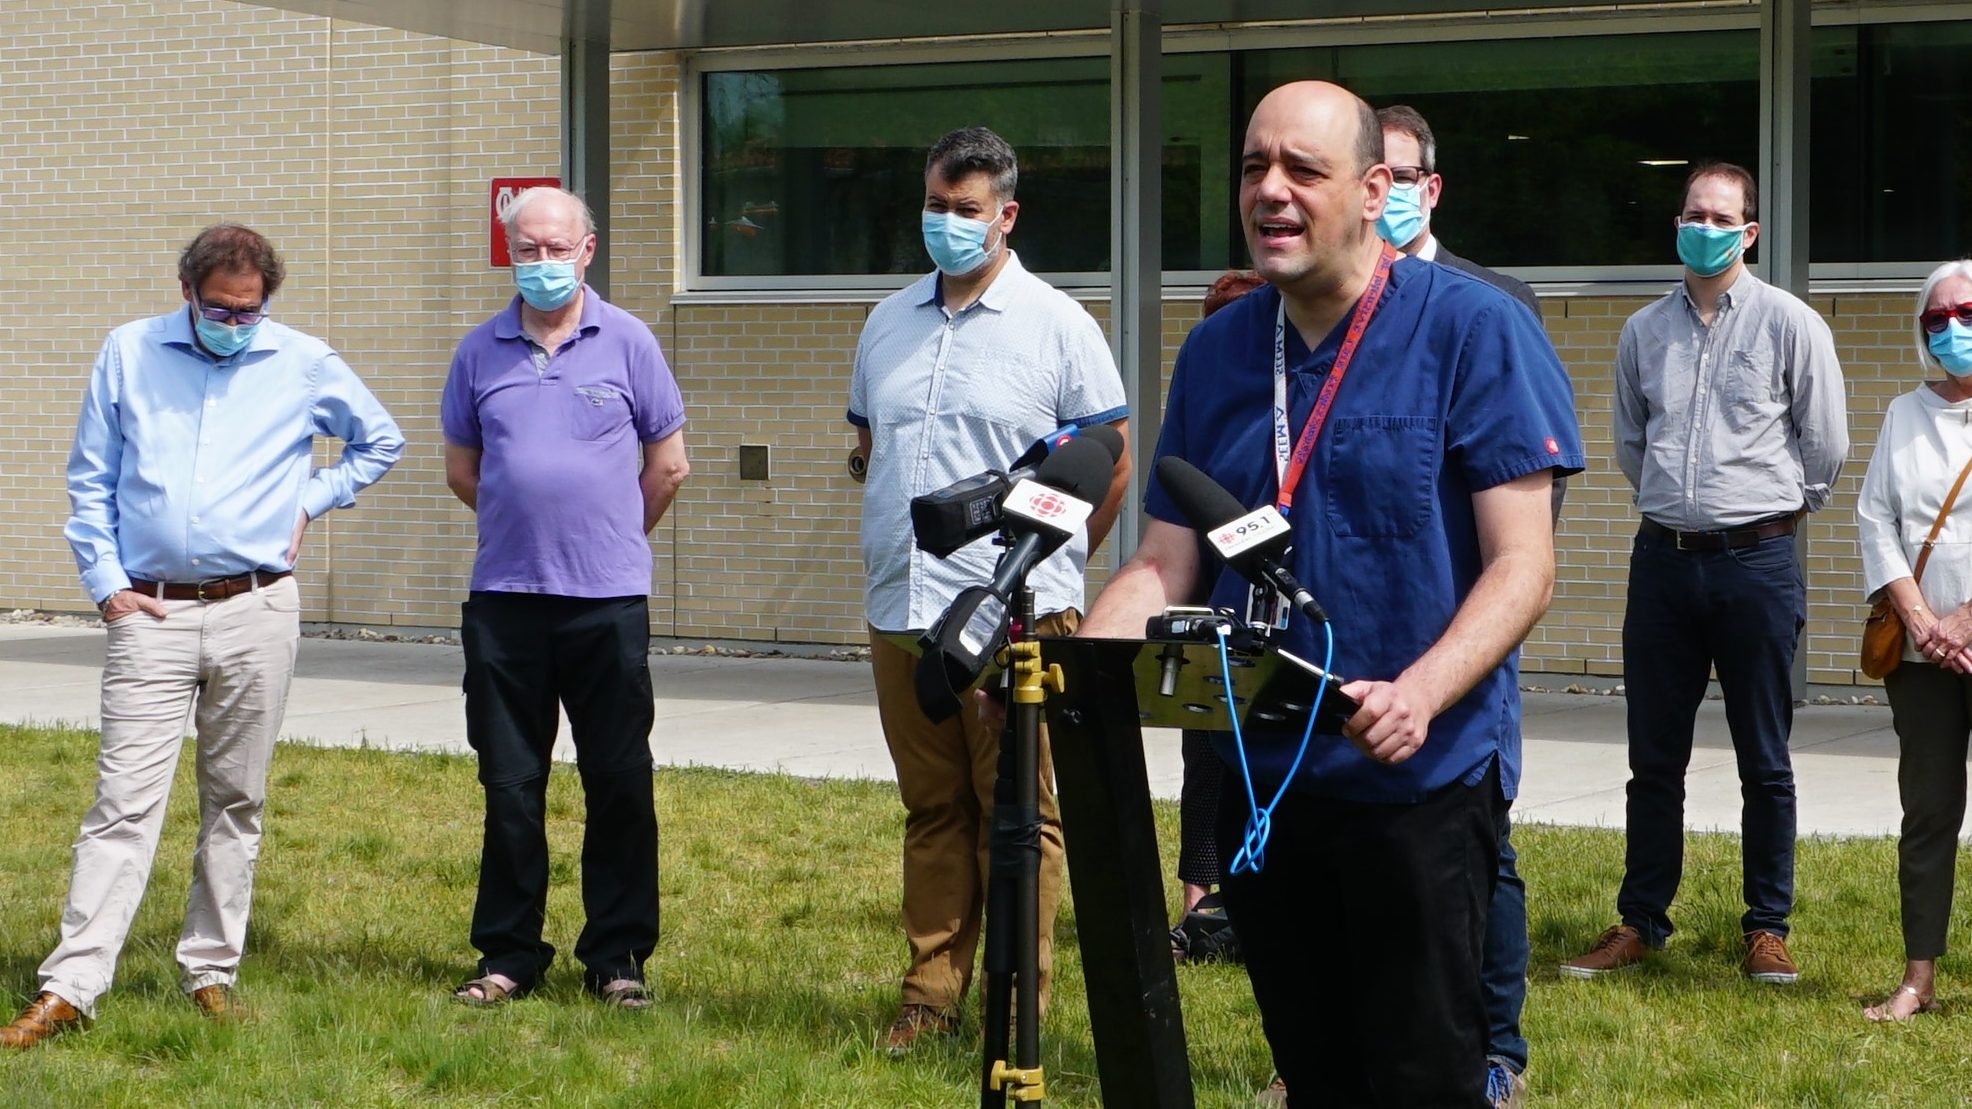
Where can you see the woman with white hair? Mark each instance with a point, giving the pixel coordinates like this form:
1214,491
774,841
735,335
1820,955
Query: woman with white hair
1915,484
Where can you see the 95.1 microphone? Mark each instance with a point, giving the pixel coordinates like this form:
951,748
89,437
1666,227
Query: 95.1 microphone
1253,543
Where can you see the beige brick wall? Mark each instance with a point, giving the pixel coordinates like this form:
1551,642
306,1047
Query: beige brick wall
365,154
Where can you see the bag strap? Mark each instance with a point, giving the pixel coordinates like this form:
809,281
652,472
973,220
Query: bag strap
1938,525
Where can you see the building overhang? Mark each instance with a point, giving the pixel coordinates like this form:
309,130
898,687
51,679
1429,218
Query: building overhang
542,26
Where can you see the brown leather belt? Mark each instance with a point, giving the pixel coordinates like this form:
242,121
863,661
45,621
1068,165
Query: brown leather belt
1725,538
212,589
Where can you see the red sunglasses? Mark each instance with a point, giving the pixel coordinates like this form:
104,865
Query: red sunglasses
1933,320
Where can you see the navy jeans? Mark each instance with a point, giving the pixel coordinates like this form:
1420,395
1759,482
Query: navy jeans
1739,611
1503,970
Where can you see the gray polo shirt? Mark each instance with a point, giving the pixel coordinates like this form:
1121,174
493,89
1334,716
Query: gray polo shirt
1720,426
948,396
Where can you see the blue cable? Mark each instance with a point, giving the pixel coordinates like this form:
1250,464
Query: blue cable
1252,854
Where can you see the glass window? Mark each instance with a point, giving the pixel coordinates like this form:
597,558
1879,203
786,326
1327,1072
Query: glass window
821,171
1555,151
1891,143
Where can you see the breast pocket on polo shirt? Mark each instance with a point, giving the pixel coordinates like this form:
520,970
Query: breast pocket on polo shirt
1376,483
596,412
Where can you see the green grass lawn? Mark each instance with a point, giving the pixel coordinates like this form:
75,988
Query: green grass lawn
777,969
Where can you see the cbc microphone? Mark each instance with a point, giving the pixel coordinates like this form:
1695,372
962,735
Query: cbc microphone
949,518
1252,543
1040,514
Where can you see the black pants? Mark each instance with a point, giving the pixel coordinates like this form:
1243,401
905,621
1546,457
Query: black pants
1932,710
1363,936
526,653
1198,810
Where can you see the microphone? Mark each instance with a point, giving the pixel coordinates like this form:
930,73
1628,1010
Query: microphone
1040,513
1252,543
949,518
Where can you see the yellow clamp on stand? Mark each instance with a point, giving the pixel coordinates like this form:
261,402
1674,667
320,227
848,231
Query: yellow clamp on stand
1020,1085
1031,681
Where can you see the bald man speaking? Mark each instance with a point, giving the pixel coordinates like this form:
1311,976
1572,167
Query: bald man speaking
1409,421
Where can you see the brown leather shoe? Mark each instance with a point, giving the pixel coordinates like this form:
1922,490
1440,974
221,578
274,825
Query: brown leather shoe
45,1017
217,1003
1616,948
1767,959
914,1021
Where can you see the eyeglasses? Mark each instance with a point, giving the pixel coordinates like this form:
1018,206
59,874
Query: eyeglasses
1934,320
1406,176
548,252
232,317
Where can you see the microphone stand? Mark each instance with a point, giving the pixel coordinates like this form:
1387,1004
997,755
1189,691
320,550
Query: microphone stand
1013,901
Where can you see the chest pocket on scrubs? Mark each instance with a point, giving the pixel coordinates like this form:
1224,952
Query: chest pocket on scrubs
1377,476
596,412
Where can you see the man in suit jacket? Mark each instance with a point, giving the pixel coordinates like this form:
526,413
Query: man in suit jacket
1411,152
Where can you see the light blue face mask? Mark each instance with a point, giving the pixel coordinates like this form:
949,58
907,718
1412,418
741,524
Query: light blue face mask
1953,347
957,245
1707,250
1404,215
224,340
547,285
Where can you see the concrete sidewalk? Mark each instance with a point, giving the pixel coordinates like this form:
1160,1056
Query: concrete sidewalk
817,718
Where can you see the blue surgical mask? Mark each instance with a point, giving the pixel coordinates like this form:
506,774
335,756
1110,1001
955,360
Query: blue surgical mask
957,245
1953,347
1707,250
547,285
224,340
1404,215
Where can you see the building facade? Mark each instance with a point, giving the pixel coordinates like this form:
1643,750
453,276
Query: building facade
761,201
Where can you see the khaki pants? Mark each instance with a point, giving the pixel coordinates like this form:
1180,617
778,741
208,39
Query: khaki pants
945,775
231,660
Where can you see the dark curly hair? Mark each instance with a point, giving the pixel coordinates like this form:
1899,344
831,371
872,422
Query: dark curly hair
232,248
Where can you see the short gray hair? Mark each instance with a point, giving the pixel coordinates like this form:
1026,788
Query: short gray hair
510,217
970,150
1960,268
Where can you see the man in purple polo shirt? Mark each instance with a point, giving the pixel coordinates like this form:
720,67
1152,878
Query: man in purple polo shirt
563,432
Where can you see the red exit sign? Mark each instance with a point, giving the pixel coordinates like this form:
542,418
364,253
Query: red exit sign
499,196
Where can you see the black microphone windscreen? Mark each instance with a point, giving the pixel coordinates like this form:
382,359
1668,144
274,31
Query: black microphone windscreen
1109,437
1080,468
1203,501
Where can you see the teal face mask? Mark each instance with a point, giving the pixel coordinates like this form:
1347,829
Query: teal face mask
957,245
1709,251
546,285
221,339
1953,347
1404,215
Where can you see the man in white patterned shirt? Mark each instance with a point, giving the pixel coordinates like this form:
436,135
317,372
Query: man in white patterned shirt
955,375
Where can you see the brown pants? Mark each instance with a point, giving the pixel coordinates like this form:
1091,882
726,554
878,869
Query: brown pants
945,775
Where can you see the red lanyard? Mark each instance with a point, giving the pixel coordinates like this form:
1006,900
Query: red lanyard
1287,468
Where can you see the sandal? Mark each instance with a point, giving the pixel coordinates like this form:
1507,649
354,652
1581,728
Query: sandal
1885,1014
624,993
491,991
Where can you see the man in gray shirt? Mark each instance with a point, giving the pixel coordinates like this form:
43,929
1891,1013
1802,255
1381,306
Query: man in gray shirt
1729,422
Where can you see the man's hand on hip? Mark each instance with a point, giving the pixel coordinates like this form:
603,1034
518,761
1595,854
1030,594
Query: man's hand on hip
126,601
1392,722
294,541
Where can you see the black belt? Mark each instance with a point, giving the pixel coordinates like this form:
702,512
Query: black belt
212,589
1724,539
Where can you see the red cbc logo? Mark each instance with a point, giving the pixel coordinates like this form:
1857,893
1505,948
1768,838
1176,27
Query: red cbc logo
1552,446
1047,505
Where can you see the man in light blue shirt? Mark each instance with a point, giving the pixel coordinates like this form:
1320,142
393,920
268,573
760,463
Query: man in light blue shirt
191,488
957,374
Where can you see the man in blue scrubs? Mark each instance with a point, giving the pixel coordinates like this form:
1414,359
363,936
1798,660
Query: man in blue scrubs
1416,477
